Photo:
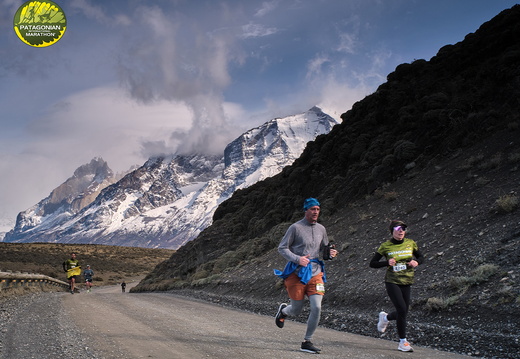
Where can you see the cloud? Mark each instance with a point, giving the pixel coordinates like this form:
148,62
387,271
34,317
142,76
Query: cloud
336,97
174,59
315,65
103,120
257,30
9,8
347,43
92,11
98,122
266,8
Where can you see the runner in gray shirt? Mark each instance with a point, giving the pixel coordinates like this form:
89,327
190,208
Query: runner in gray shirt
304,273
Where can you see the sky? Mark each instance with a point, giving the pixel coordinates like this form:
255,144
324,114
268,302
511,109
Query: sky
132,79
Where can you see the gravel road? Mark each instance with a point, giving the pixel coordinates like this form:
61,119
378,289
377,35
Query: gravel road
106,324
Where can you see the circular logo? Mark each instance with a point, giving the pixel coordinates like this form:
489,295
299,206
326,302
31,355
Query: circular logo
40,23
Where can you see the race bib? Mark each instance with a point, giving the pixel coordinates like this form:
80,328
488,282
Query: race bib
399,267
320,287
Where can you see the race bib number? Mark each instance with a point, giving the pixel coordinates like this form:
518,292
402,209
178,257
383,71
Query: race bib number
320,287
399,267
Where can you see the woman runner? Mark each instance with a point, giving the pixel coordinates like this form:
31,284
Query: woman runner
401,257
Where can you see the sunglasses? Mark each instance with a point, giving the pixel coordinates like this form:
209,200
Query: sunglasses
400,228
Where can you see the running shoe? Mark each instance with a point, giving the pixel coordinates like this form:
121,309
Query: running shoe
383,322
405,347
280,317
308,347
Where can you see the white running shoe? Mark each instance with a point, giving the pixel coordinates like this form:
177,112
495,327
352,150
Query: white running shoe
383,322
405,347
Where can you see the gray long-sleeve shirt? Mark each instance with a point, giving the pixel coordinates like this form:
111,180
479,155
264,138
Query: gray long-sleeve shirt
303,238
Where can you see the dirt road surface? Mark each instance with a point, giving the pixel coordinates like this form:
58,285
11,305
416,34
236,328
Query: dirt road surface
159,325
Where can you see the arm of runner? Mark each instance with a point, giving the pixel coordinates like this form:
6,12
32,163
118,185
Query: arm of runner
376,263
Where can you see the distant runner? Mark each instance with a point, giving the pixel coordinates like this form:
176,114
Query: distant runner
88,274
72,268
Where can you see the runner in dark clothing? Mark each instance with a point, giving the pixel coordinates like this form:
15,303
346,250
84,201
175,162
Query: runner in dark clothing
88,274
401,257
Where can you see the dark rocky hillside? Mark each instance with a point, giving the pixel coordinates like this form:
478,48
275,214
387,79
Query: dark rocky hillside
437,146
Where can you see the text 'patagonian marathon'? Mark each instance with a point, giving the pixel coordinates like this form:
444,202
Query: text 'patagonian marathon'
40,27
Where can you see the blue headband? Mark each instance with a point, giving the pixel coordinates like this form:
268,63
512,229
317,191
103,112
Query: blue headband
310,202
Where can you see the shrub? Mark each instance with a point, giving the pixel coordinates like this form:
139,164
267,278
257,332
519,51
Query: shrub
479,275
436,304
439,190
405,150
514,157
364,216
227,260
493,162
471,162
435,101
390,196
481,181
506,203
205,281
200,274
506,294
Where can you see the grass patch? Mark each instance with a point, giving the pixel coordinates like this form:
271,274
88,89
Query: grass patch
491,163
480,275
215,278
471,162
506,203
436,304
390,196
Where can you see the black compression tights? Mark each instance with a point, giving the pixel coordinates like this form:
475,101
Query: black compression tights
400,297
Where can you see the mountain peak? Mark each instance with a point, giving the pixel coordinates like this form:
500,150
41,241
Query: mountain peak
97,167
66,200
169,200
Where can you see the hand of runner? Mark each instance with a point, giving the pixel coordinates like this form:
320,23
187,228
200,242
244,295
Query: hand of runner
413,263
304,260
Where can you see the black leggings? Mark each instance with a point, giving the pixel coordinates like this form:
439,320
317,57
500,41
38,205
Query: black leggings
400,297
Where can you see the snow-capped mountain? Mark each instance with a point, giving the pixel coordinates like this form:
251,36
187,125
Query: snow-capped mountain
167,201
6,224
67,199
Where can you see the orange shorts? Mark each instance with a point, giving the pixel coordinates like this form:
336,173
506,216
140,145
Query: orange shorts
297,290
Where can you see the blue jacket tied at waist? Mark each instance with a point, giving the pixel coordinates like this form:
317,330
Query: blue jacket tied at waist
305,273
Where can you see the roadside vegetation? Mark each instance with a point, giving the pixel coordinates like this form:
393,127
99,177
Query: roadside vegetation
111,264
